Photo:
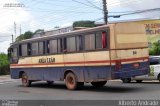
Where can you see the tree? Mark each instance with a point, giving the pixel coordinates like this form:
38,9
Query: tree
26,35
84,24
155,50
4,64
39,31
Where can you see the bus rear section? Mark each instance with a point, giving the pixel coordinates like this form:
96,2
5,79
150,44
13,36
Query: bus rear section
129,53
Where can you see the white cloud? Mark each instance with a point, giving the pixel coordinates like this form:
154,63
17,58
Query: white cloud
67,24
9,15
4,46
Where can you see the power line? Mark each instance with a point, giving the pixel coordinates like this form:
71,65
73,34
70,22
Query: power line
85,4
92,4
132,13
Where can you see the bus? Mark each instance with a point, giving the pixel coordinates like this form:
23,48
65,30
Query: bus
92,55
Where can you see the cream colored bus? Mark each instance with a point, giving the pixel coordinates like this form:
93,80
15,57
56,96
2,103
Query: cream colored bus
93,55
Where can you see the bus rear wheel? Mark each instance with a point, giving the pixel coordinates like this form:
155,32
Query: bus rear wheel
99,84
72,83
25,81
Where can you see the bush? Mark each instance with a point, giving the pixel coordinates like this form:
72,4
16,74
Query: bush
4,64
155,50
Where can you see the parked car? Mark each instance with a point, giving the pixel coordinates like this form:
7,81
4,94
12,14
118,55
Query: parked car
154,72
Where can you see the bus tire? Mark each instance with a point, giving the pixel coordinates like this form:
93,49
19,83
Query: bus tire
25,81
71,82
50,82
139,81
126,80
98,84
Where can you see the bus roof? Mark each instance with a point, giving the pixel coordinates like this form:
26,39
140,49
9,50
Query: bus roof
62,34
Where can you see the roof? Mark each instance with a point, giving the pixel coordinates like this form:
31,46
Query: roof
62,34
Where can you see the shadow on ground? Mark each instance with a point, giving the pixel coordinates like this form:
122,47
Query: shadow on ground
108,88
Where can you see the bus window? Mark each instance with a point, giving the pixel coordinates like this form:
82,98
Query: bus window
29,49
104,39
79,41
53,46
90,42
15,52
20,50
24,50
34,49
99,40
71,44
41,48
60,47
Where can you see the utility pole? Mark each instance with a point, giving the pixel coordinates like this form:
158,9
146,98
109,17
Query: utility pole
20,30
15,31
105,11
12,38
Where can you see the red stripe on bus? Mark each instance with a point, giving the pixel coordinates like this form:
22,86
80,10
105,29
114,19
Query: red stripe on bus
82,62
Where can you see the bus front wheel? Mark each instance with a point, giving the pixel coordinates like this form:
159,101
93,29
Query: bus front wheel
99,84
72,83
25,81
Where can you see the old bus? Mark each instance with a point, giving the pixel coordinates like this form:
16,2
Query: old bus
92,55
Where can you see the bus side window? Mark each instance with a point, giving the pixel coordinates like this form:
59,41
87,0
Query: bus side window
47,46
29,49
34,48
24,50
53,46
13,55
64,47
79,41
15,52
104,39
98,40
71,44
20,50
101,40
90,41
60,47
41,47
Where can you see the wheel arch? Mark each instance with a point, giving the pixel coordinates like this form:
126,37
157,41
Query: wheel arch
20,74
68,71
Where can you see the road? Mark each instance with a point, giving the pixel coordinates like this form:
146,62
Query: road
113,90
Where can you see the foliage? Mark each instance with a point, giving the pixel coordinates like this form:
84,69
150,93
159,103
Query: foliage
155,49
4,64
39,31
83,24
26,35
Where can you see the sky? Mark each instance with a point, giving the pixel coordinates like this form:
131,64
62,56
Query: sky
47,14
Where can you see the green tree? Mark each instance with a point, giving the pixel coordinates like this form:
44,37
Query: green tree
84,24
39,31
155,50
4,64
26,35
